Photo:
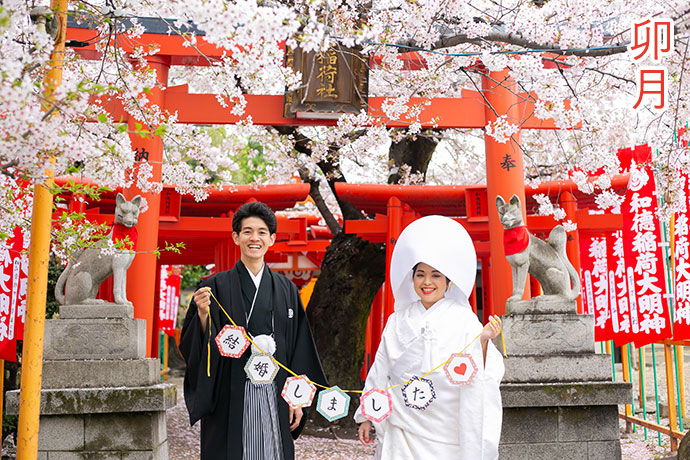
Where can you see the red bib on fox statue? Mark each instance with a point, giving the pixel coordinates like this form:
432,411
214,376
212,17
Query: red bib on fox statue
120,232
515,240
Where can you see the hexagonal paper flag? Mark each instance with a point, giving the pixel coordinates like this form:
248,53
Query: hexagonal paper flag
461,369
231,341
376,405
418,393
260,368
333,404
298,391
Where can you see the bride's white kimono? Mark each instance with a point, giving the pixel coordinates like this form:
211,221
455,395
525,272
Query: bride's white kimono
464,421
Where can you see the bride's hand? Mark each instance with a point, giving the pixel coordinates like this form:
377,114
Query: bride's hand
492,330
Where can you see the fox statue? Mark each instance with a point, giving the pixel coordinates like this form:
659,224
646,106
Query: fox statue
79,282
546,261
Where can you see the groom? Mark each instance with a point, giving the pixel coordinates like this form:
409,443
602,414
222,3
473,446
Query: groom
240,419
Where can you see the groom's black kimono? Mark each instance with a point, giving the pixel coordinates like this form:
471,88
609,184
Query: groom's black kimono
218,400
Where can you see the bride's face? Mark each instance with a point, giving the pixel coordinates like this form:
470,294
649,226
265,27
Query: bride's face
429,284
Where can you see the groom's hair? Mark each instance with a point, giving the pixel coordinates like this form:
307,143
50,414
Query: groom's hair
255,209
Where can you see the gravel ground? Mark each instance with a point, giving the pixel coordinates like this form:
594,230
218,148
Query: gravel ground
183,441
634,446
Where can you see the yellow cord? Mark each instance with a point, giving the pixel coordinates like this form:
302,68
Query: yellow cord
317,384
503,342
208,345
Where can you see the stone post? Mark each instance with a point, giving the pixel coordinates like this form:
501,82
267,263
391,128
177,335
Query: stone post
559,400
101,397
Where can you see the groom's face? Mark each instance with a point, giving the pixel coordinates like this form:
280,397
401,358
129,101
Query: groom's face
254,238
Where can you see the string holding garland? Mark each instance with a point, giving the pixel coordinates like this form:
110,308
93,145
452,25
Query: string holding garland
233,340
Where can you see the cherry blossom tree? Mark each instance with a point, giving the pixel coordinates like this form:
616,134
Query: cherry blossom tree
570,58
556,51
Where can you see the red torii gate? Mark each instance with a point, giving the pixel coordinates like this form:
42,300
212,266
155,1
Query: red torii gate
504,161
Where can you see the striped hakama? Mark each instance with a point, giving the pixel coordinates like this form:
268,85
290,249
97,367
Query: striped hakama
261,429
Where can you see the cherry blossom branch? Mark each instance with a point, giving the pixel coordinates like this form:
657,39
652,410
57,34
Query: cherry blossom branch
511,38
680,85
479,90
10,164
608,74
315,194
329,169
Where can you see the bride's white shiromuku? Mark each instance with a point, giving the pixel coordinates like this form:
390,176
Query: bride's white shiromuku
464,421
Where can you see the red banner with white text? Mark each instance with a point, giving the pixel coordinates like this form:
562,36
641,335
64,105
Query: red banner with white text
650,321
618,290
14,267
169,297
681,255
595,289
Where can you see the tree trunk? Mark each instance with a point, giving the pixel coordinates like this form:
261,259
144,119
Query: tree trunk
413,152
351,273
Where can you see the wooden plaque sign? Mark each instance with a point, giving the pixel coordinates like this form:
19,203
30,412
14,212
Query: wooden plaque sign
334,82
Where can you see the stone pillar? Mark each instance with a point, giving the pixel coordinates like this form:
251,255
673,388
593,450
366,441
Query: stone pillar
569,204
559,400
100,397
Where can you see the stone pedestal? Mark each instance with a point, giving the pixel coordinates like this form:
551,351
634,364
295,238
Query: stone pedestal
101,397
559,400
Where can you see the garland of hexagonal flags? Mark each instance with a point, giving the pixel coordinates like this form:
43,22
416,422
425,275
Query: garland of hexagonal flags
333,403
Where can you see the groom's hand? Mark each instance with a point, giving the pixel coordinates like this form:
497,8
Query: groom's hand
295,416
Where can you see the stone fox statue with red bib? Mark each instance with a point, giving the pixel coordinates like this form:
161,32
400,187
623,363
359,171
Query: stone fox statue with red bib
546,261
79,282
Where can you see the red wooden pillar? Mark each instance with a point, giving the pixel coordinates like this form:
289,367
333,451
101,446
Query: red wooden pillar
226,255
141,277
505,177
395,212
373,332
77,203
376,316
572,248
156,313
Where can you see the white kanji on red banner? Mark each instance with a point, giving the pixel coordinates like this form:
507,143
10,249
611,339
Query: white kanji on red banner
169,297
14,267
681,254
618,290
595,285
644,271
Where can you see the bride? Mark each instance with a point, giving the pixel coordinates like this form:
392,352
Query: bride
433,268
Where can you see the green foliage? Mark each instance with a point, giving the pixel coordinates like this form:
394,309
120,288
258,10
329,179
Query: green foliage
54,270
11,382
251,160
252,164
191,276
9,425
